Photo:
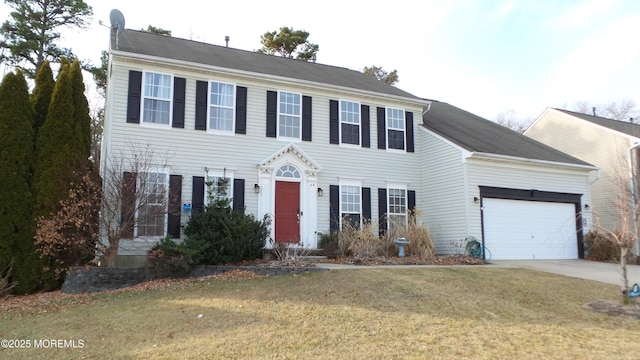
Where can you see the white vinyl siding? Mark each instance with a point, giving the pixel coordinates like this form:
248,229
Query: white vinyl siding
188,151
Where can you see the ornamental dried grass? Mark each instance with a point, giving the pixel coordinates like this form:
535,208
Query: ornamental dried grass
420,242
359,242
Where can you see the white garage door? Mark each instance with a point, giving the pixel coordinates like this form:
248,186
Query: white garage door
518,229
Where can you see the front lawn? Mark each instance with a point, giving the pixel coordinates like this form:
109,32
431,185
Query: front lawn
418,313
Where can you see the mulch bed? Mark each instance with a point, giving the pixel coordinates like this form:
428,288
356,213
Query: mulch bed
631,311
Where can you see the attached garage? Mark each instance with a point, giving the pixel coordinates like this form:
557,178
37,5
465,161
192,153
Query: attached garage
529,225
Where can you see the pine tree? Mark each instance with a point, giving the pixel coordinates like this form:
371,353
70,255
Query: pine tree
54,148
16,155
41,96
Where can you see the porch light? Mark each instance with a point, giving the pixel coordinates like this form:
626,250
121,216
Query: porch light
320,192
586,206
256,188
475,200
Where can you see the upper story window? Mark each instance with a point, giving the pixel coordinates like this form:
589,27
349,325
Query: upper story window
289,115
156,104
395,128
349,122
152,210
221,106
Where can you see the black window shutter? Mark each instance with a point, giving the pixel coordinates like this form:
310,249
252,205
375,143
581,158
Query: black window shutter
179,88
175,200
366,203
382,129
306,118
128,205
238,195
272,113
241,110
134,96
382,210
202,87
409,129
197,194
334,122
334,208
366,126
411,200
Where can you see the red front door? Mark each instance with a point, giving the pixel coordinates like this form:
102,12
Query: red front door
287,214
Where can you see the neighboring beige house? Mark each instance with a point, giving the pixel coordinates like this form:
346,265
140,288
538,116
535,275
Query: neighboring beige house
611,145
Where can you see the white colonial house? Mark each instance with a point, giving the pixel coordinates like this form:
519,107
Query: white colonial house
309,144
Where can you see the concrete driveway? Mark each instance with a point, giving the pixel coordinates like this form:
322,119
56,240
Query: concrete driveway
584,269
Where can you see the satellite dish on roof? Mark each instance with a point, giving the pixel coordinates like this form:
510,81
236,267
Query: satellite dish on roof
117,20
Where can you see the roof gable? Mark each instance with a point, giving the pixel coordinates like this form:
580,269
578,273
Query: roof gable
624,127
162,46
476,134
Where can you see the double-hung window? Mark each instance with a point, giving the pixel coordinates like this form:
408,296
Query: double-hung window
222,104
351,203
156,104
289,115
395,128
349,122
397,206
152,206
218,185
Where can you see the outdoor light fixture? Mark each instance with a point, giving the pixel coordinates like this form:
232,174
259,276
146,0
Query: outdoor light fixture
256,188
475,200
586,206
320,192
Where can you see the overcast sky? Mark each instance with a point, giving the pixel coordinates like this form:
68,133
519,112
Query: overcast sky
483,56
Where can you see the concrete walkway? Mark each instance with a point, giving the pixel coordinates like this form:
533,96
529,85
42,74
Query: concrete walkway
583,269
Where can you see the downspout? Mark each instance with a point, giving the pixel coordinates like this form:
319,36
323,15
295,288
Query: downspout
632,175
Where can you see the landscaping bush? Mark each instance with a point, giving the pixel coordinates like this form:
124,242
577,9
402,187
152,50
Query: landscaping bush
599,246
169,259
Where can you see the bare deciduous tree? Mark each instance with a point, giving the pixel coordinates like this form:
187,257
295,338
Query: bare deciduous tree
509,119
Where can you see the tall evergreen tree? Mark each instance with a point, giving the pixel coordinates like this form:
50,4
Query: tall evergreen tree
81,115
41,96
31,34
54,147
16,155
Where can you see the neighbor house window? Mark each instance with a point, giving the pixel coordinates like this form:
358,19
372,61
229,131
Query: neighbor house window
351,203
156,106
397,207
221,106
349,122
395,128
289,115
152,209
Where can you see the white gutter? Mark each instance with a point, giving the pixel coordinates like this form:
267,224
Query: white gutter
490,156
278,78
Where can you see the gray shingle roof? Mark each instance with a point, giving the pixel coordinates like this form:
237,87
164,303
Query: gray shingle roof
146,43
621,126
476,134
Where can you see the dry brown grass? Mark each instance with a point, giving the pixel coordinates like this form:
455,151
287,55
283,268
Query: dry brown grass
420,313
420,243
